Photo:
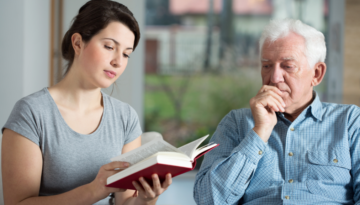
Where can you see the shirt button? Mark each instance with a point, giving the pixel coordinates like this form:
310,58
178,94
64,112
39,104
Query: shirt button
291,154
335,161
291,181
260,152
287,197
292,129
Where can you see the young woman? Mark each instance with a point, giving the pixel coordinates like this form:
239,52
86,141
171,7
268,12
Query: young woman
58,141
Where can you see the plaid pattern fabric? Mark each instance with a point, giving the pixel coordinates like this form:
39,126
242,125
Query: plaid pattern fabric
313,160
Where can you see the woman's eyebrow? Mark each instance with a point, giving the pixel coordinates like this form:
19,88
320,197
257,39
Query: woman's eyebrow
117,43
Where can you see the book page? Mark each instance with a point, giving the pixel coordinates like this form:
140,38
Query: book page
204,148
190,148
146,150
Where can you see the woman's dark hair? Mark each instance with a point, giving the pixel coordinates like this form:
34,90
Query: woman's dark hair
94,16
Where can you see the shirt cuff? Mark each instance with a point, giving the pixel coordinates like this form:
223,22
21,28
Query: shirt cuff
252,146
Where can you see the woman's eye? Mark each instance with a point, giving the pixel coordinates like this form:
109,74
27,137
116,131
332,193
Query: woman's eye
108,47
126,56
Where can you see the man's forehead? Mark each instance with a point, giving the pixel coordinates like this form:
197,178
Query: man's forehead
288,58
288,48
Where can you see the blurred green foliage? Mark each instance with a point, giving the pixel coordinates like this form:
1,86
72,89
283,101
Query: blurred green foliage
207,100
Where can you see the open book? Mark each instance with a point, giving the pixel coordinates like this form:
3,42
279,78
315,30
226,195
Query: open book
160,157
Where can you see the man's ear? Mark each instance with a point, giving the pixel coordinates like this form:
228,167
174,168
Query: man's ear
76,41
319,73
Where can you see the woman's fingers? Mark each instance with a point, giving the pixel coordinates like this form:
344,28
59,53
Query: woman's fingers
167,182
139,189
116,190
156,184
116,166
149,192
147,188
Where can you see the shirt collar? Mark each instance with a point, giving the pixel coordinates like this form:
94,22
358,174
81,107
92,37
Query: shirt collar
316,107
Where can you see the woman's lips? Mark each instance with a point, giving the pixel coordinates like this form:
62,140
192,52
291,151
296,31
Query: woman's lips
110,74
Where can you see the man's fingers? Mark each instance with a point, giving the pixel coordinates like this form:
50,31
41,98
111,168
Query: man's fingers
277,97
271,100
273,90
275,104
265,88
271,104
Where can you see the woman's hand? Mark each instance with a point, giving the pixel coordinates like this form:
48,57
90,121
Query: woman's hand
148,193
98,186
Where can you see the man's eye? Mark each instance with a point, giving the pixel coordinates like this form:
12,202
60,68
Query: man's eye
108,47
266,66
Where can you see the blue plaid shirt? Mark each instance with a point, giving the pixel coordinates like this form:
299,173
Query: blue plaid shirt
313,160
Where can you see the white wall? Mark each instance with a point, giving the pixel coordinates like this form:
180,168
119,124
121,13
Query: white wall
24,52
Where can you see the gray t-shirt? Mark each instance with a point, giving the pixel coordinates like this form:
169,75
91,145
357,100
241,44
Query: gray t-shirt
71,159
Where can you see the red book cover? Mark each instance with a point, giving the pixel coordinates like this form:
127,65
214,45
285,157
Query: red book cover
160,169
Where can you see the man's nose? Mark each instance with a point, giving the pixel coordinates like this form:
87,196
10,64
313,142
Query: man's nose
277,74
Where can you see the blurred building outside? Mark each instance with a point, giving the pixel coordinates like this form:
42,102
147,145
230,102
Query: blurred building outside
171,47
190,45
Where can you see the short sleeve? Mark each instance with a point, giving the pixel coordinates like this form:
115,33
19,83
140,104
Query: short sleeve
133,129
22,120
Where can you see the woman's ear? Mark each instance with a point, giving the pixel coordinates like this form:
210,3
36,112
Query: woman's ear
76,41
319,73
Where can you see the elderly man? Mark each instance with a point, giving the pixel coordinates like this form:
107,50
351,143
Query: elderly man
289,148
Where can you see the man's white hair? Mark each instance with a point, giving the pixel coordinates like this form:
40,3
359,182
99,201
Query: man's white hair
315,48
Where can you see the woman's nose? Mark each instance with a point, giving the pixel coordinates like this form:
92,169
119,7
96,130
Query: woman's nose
117,61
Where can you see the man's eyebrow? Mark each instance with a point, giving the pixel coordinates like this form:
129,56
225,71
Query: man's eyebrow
264,60
288,58
117,43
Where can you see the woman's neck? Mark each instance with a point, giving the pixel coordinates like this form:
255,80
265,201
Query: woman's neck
75,93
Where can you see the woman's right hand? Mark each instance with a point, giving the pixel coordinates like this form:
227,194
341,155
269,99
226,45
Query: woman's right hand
98,186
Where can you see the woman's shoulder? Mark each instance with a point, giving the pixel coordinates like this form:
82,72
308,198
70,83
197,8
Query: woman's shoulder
37,100
118,106
34,100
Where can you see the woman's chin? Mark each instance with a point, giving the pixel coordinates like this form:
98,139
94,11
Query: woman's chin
105,84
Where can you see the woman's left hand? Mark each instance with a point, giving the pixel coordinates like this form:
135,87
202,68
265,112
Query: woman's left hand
148,193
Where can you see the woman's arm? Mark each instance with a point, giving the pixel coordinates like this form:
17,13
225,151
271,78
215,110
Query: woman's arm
148,196
21,162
